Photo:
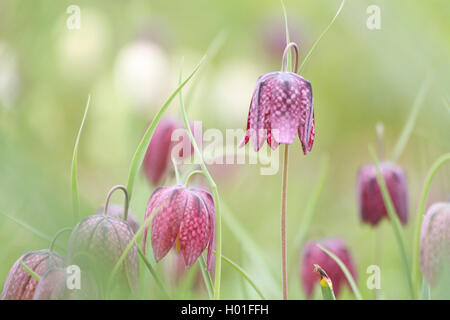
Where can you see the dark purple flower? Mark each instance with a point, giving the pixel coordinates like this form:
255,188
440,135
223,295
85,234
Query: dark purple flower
370,199
117,211
312,255
281,108
435,242
19,284
96,244
158,156
186,221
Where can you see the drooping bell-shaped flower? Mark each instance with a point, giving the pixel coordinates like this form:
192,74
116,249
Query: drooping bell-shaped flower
370,200
281,108
312,255
98,241
186,220
435,243
158,155
117,211
19,284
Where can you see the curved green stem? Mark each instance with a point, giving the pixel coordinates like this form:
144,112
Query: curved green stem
139,154
55,237
302,66
215,192
193,173
75,200
206,277
153,272
126,202
243,274
395,223
131,243
421,211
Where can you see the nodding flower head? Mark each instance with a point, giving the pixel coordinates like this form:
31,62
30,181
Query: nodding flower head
280,109
312,255
435,243
19,284
158,156
370,199
98,241
186,220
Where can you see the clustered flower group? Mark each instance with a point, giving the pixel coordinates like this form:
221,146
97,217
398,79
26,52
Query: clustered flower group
185,217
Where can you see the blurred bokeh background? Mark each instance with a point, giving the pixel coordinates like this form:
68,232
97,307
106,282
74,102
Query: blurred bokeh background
127,55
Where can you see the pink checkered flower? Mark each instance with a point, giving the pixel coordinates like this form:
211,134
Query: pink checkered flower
370,200
186,220
435,242
281,108
19,284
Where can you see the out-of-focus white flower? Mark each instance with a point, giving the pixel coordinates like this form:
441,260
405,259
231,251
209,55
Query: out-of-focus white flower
81,51
232,91
142,72
9,76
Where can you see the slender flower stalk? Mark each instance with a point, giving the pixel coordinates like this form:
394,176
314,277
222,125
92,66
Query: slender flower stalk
283,221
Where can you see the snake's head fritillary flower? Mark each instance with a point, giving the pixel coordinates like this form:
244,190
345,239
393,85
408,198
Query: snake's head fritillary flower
186,220
96,244
370,198
313,255
19,284
435,242
158,155
118,212
280,109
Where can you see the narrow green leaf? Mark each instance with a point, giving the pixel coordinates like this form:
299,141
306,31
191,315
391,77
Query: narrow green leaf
132,242
153,273
421,211
75,200
31,272
243,274
139,154
215,192
312,203
251,249
206,277
409,125
302,66
325,283
395,223
344,269
288,37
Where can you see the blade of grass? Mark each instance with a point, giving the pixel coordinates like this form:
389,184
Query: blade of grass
130,245
344,269
421,211
206,277
325,283
139,154
395,223
28,227
243,274
409,125
251,248
312,202
31,272
75,200
215,192
155,276
288,37
302,66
